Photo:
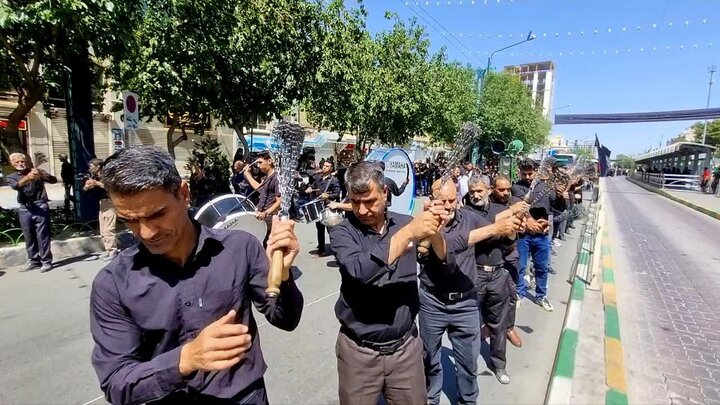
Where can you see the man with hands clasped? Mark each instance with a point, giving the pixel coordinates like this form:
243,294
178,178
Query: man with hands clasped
171,316
378,349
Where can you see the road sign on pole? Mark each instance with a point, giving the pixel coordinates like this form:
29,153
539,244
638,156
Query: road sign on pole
131,116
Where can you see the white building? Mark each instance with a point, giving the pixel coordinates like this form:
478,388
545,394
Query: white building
539,77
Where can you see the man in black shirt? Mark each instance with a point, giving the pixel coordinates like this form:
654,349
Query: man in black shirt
269,192
239,183
326,188
34,211
106,217
448,297
392,187
495,292
535,240
378,351
67,175
172,317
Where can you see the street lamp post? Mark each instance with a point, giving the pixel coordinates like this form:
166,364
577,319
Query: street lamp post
529,38
711,70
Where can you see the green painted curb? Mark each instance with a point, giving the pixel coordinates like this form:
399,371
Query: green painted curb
578,290
612,325
565,363
608,276
615,397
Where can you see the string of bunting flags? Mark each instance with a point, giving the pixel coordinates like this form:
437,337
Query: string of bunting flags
614,51
585,33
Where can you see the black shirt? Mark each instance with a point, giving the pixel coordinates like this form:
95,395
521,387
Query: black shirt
33,191
268,190
488,252
328,184
97,193
67,173
393,189
457,272
143,308
378,300
240,184
541,198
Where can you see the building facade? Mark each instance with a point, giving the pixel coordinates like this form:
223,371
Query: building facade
539,77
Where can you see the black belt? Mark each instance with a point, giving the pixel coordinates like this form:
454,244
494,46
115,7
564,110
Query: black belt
447,297
489,269
384,348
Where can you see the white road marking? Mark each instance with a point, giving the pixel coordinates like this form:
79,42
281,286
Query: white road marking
98,398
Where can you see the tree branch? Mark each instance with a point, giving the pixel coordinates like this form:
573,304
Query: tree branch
17,58
37,57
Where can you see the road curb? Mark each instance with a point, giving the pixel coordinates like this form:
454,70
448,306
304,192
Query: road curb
561,379
615,380
708,212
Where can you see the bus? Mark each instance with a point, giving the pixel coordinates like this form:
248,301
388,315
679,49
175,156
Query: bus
565,159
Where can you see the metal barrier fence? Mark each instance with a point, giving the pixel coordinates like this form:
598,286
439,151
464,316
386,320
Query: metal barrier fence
671,181
582,264
58,231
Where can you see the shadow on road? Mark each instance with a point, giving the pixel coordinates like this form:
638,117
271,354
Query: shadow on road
2,273
525,329
71,260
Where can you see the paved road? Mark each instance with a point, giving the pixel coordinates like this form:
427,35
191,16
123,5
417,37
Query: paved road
45,343
667,269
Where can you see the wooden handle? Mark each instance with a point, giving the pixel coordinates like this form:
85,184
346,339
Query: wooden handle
424,246
275,274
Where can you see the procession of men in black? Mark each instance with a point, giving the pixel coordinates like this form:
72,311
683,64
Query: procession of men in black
391,317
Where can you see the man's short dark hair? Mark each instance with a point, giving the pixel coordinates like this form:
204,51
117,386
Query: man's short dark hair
382,164
265,155
133,170
97,162
360,177
499,177
331,163
527,164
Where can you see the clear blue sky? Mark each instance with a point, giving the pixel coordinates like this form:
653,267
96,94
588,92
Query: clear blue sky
632,81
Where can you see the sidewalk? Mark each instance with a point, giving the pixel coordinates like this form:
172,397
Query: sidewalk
708,204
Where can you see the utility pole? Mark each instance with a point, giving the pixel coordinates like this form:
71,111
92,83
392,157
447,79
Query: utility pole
711,69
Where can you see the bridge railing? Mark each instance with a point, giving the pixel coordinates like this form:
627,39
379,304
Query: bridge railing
670,181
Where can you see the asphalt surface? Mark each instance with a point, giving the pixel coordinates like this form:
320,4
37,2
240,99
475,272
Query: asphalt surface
45,342
667,269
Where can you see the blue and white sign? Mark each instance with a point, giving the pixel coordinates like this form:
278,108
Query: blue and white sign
398,167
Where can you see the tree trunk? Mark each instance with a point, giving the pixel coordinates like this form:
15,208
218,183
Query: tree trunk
241,137
12,141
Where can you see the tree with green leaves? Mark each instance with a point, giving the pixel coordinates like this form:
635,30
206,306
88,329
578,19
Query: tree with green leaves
37,37
375,89
712,137
210,170
173,63
339,93
270,61
506,112
453,98
624,161
582,152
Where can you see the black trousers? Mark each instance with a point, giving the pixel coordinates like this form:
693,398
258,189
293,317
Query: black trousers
512,265
35,224
494,300
320,236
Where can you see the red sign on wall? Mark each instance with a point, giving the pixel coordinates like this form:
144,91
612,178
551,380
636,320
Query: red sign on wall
22,126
